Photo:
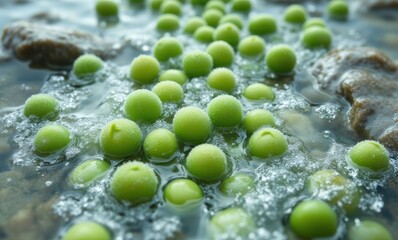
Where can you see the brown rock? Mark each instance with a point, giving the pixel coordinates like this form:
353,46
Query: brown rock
368,80
52,46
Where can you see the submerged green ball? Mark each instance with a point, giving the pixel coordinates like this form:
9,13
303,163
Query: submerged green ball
222,53
267,142
238,184
143,105
204,34
197,63
225,111
120,138
369,230
183,123
314,22
167,23
42,106
134,182
281,59
51,139
87,64
166,48
258,118
206,162
171,7
212,17
295,14
88,171
144,69
169,91
227,32
232,222
161,144
370,155
241,5
87,230
222,79
316,37
338,9
215,4
155,4
107,8
258,91
234,19
251,46
174,75
262,24
183,193
313,219
193,24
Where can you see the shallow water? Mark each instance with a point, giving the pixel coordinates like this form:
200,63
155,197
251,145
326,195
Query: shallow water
314,122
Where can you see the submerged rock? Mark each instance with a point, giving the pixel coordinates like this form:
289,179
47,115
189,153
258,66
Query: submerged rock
52,46
368,80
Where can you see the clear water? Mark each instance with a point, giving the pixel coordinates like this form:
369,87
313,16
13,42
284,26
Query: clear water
313,121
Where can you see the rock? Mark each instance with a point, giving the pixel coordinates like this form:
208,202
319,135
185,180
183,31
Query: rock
52,46
382,4
368,80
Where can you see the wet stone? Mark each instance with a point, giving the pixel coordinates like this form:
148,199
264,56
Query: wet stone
52,46
368,80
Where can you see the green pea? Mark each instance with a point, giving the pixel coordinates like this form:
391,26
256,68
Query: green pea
258,118
227,32
241,5
51,139
174,75
237,185
262,24
370,155
204,34
107,8
225,111
215,4
171,7
222,79
267,142
143,105
369,230
160,144
87,230
212,17
87,172
233,223
338,9
295,14
258,92
87,64
183,194
197,63
169,91
251,46
194,23
314,22
42,106
144,69
168,23
155,4
167,48
281,59
232,18
316,37
222,53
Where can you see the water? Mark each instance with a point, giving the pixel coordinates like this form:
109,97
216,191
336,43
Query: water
313,121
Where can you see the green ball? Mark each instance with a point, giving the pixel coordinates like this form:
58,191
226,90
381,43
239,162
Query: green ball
87,64
166,48
314,22
155,4
42,106
199,2
370,155
183,194
267,142
215,4
234,19
88,171
227,32
174,75
369,230
187,117
222,79
295,14
87,230
258,118
194,23
222,53
281,59
237,185
134,182
340,190
251,46
171,7
262,24
204,34
197,63
51,139
107,8
225,111
169,91
143,105
168,23
144,69
258,91
206,162
232,222
160,144
316,37
313,219
212,17
338,9
241,5
120,138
